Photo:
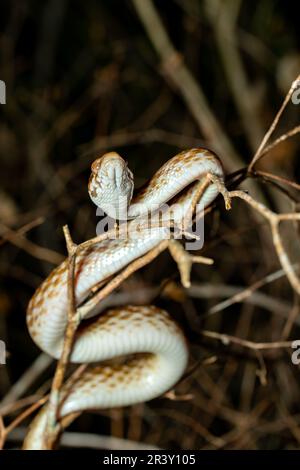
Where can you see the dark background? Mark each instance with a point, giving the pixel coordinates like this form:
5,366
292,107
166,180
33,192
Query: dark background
83,78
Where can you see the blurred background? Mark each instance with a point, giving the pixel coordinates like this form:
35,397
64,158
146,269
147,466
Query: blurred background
149,79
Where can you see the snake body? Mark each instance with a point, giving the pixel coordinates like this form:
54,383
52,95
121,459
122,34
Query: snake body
157,343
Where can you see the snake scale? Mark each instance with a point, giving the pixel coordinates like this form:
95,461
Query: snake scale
154,344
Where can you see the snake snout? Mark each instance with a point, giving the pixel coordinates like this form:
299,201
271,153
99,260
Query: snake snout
111,185
110,158
115,173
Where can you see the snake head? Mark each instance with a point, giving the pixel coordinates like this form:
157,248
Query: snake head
111,185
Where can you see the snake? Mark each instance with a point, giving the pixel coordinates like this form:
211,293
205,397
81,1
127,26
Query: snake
153,344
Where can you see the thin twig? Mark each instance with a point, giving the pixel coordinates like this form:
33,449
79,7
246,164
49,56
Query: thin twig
280,179
223,16
274,220
27,378
53,428
267,136
227,339
26,228
18,239
280,139
119,278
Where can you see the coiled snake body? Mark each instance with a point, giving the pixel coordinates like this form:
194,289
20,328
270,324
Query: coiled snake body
147,332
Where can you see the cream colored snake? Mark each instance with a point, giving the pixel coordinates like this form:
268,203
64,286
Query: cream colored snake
147,332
